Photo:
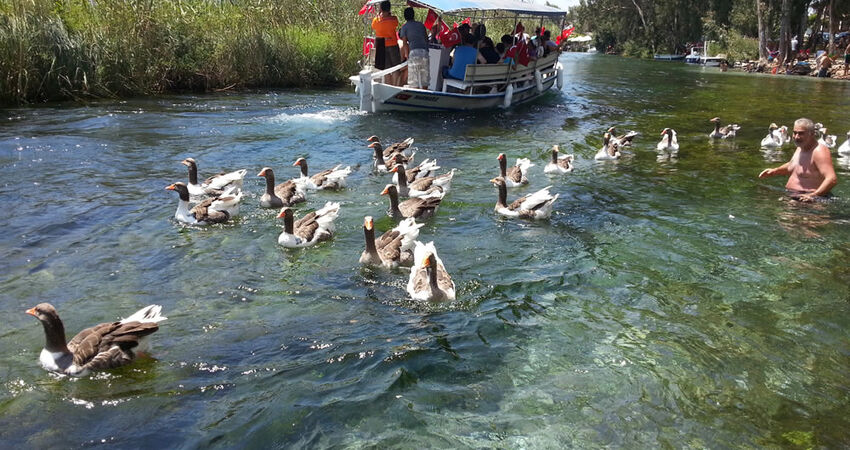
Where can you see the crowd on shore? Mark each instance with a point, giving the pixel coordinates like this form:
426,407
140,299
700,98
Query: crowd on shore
820,64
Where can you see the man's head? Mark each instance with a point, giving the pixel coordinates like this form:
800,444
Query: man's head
804,132
408,14
386,6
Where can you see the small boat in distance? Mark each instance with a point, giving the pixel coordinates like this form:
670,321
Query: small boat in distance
669,57
698,56
484,86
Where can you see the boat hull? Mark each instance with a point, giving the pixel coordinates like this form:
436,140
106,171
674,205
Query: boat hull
394,98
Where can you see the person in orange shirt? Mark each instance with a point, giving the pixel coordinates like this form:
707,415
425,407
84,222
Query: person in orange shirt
385,26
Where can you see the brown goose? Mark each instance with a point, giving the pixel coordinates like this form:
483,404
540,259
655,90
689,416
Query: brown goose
326,179
214,185
516,175
314,227
429,280
723,132
217,209
559,164
424,187
426,168
100,347
285,194
419,208
398,147
393,248
623,140
533,206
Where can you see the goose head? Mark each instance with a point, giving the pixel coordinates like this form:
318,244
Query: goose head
555,150
373,138
773,126
181,189
193,169
54,330
288,219
303,163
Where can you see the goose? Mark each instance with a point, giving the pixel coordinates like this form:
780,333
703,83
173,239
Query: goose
783,134
429,280
326,179
559,164
380,164
393,248
845,147
533,206
424,187
315,227
419,208
610,150
624,140
773,138
285,194
516,175
213,185
426,168
725,132
826,139
668,142
398,147
212,210
101,347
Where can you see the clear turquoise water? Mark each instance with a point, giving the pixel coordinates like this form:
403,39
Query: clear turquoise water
675,303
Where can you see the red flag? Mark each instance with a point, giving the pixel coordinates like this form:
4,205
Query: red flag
367,8
567,32
368,44
466,21
450,37
430,19
522,53
519,28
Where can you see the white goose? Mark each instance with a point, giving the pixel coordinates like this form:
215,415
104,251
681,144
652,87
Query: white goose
668,142
533,206
559,164
845,147
212,210
326,179
516,175
610,150
723,132
429,280
624,140
773,138
826,139
315,227
783,133
214,185
393,248
104,346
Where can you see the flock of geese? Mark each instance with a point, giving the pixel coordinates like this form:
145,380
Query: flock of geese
217,200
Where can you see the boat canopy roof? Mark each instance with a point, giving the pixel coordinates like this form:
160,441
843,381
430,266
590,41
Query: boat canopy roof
468,6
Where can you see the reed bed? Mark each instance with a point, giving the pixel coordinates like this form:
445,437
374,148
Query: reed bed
81,49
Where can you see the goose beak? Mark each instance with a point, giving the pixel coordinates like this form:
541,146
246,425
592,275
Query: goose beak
385,191
32,312
368,223
170,187
394,169
372,145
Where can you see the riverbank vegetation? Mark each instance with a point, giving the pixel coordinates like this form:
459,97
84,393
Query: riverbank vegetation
78,49
741,29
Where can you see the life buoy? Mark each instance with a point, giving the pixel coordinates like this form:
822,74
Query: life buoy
509,95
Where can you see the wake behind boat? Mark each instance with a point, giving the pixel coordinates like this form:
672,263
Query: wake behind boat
484,86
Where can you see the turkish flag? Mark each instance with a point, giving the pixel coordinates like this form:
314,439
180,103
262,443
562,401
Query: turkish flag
522,53
368,44
430,19
567,32
466,21
450,37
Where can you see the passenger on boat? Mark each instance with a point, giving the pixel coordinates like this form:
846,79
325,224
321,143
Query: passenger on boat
810,171
464,54
548,45
507,42
487,54
385,26
434,37
414,36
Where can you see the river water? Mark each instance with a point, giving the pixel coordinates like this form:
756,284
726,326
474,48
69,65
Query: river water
674,302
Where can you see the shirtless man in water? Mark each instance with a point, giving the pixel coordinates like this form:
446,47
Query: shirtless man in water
810,170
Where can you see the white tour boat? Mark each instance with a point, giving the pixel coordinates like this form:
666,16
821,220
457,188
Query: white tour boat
484,86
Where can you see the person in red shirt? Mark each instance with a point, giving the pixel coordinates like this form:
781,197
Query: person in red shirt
385,26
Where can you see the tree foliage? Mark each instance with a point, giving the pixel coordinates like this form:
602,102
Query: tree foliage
644,27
